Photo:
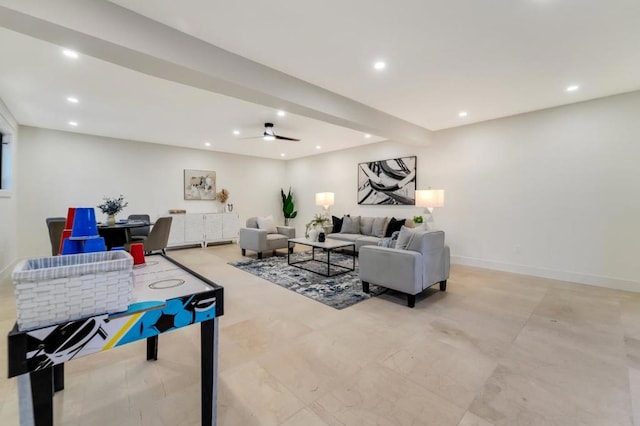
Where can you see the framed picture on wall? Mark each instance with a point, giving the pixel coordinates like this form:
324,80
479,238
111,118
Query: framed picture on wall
387,182
199,185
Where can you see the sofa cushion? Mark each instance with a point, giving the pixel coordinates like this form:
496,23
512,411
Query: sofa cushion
378,228
366,223
267,224
394,225
350,225
366,241
344,237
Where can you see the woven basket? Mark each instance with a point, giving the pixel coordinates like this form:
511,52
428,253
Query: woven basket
51,290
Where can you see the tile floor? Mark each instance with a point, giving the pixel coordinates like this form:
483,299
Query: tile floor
495,349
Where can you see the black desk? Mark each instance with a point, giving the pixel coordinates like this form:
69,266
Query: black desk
37,357
119,234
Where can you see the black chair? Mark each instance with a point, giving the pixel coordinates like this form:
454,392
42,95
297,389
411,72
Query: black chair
139,234
55,226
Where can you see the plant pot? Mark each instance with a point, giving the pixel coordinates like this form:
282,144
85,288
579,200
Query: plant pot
313,234
111,220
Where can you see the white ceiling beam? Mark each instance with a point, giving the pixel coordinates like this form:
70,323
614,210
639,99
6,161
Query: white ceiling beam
109,32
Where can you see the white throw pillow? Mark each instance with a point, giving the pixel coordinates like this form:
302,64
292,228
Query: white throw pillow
267,224
404,238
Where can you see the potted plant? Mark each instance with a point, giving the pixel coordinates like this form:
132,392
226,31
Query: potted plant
311,229
111,207
288,209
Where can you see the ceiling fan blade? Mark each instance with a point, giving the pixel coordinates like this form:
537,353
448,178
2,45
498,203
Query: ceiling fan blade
284,138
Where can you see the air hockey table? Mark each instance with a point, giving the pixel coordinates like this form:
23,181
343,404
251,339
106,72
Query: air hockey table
166,296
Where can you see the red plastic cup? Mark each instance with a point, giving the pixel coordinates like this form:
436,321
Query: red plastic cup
137,251
71,214
65,234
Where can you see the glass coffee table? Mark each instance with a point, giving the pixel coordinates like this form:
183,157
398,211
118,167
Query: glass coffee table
328,246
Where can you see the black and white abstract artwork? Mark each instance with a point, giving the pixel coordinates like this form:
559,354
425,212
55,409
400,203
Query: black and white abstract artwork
387,182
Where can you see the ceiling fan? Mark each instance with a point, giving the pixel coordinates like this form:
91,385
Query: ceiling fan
269,135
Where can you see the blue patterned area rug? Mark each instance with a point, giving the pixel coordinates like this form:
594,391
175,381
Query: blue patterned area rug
338,292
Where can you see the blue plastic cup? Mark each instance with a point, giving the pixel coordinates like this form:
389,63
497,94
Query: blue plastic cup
72,247
84,223
93,245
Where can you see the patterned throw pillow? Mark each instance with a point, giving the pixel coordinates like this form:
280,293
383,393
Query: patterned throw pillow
267,224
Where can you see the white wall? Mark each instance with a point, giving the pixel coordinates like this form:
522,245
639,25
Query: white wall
337,172
60,169
553,193
8,198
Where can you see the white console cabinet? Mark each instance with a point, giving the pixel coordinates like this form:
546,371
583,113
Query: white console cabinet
203,228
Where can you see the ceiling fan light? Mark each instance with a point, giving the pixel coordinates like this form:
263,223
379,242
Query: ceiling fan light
269,138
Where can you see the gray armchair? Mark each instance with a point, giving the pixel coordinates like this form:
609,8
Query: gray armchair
159,236
424,263
258,240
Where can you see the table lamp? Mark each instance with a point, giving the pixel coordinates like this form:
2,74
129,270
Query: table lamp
430,199
326,200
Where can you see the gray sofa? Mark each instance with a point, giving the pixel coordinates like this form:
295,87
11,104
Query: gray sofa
423,263
370,230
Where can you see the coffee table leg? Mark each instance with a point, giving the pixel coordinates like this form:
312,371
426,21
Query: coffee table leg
353,256
329,262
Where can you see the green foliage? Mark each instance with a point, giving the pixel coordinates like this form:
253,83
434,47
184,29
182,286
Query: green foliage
317,221
113,205
417,219
288,209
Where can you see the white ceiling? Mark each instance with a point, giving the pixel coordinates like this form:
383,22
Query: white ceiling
491,58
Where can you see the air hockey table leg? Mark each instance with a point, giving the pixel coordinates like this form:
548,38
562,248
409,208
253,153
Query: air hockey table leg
209,370
152,348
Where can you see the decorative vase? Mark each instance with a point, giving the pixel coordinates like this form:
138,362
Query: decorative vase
313,234
287,221
229,208
321,237
111,219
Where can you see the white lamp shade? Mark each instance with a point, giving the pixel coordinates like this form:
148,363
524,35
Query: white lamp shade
325,199
430,198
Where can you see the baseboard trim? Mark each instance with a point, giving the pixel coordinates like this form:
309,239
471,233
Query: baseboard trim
594,280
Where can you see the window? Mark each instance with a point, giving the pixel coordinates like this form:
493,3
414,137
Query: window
5,162
2,161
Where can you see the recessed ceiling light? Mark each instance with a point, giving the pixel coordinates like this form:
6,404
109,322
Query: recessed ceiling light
380,65
283,154
73,123
70,53
281,113
572,88
236,132
318,147
367,136
207,144
462,114
73,99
